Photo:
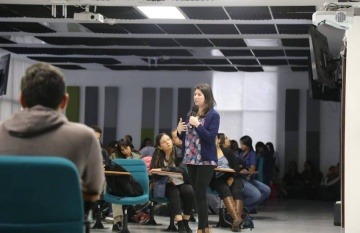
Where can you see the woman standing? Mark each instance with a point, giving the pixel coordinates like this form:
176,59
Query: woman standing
198,133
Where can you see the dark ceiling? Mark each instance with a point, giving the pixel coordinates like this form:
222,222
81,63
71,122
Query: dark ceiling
250,38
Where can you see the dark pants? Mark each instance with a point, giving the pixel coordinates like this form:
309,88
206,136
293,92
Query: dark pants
235,190
180,193
200,177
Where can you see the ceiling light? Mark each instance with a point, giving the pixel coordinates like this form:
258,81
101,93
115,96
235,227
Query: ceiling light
161,12
263,42
216,53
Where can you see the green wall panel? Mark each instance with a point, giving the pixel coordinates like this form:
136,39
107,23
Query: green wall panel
73,107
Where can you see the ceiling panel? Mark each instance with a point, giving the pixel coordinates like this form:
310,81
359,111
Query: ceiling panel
218,29
292,12
7,13
300,62
6,41
215,61
194,42
273,62
297,53
74,41
205,13
33,11
237,52
105,28
76,60
179,28
142,28
293,28
250,69
268,53
295,42
175,61
120,12
299,68
228,42
175,52
249,13
160,42
224,68
250,62
25,27
256,28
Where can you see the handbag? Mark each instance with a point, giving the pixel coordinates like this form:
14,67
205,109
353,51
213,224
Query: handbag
160,186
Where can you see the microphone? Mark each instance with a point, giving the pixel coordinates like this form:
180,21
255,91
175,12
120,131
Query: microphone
194,111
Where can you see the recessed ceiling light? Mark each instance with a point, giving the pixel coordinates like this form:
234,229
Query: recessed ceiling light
216,53
263,42
161,12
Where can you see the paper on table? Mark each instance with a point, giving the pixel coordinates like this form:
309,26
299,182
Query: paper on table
175,177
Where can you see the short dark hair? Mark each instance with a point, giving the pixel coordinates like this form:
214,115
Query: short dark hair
247,141
43,84
128,138
96,129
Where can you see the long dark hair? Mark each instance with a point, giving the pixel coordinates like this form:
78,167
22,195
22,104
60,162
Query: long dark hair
208,94
160,156
221,137
247,141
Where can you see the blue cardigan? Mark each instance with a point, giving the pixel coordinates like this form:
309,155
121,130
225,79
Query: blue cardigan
207,134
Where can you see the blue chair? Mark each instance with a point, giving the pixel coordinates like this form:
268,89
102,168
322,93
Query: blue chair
138,170
40,194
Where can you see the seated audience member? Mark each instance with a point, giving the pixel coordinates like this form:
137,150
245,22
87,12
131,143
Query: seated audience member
128,138
229,185
125,149
292,182
105,154
255,192
112,147
146,142
234,146
264,164
330,189
41,129
276,162
311,178
146,148
166,159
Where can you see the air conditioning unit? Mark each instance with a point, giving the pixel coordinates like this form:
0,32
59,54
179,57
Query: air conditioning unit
89,16
341,19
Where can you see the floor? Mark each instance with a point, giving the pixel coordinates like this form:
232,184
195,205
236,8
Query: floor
276,216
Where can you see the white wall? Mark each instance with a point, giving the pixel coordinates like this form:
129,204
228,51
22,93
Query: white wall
352,130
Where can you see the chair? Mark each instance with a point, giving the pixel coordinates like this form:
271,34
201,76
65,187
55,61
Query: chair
138,170
152,221
40,194
221,222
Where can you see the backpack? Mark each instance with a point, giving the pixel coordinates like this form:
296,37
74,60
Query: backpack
122,185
